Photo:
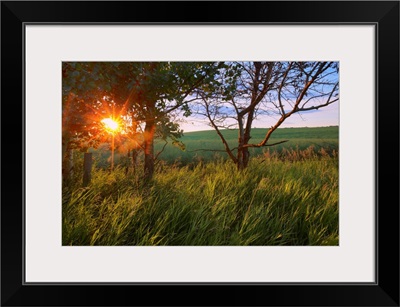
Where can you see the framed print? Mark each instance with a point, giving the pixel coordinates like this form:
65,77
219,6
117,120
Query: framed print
245,152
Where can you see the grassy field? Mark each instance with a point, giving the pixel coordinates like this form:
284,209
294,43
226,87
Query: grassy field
197,144
299,138
287,196
273,203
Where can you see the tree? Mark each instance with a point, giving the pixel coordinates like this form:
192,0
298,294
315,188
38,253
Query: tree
246,90
80,127
156,90
148,92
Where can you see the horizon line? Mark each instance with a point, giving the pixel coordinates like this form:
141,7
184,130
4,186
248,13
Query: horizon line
309,127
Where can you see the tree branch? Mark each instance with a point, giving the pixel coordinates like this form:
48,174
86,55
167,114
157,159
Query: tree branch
280,88
160,152
187,92
321,68
227,149
265,145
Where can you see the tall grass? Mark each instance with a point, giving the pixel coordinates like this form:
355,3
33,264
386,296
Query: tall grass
289,199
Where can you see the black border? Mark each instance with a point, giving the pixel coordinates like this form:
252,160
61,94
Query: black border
383,14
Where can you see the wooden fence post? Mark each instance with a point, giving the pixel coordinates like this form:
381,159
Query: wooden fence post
87,168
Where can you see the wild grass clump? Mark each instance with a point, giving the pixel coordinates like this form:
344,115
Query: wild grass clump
272,202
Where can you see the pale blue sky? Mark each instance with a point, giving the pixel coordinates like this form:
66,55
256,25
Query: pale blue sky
327,116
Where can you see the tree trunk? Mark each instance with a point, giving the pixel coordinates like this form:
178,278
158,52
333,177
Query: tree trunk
243,154
149,131
133,153
128,165
244,132
243,158
240,164
67,164
247,137
132,161
87,168
65,156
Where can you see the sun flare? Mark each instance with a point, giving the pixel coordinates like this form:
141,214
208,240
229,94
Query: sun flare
110,124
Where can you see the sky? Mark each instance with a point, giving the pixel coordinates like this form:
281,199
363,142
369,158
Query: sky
327,116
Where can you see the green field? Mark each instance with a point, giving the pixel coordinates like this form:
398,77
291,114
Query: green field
201,146
299,138
287,196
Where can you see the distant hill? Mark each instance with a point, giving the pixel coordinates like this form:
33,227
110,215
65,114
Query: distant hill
197,143
259,133
206,145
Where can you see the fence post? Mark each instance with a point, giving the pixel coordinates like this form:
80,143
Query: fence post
87,168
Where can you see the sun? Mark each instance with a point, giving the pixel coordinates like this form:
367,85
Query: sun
110,124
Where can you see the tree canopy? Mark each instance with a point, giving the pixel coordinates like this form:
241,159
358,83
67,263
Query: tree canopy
246,90
147,92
